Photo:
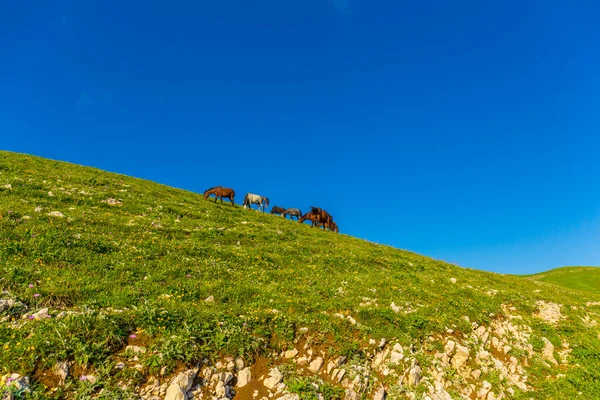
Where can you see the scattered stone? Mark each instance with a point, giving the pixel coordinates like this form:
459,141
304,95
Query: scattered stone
244,376
38,209
548,351
395,308
7,186
113,202
42,314
414,375
135,349
453,280
209,299
485,388
460,357
274,378
290,353
61,370
316,365
239,364
397,354
56,214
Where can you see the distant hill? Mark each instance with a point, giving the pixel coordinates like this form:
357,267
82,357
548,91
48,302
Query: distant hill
116,288
586,279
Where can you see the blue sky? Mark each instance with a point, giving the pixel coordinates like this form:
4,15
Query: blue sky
466,131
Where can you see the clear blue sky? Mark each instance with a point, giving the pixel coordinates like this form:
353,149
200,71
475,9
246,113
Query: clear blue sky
465,130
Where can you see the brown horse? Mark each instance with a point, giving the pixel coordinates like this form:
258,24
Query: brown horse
278,210
220,192
332,226
322,215
309,216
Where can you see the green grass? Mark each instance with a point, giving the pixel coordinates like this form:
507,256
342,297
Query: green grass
585,279
158,255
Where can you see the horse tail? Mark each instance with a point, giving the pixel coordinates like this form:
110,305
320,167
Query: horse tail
266,201
245,200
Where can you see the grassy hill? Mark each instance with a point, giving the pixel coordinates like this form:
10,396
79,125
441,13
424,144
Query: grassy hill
585,279
119,262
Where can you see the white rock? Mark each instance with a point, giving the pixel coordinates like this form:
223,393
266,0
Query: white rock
174,392
56,214
274,378
135,349
42,314
548,351
485,388
7,186
220,389
316,365
460,357
244,376
395,308
239,364
290,353
397,354
209,299
453,280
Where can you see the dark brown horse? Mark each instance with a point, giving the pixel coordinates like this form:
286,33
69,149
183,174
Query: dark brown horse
278,210
310,216
332,226
292,212
220,192
322,215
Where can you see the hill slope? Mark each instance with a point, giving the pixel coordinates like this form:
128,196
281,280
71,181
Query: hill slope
585,279
143,283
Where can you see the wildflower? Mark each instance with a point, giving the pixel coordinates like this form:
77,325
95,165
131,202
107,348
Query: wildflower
188,276
132,336
30,286
31,317
36,295
83,378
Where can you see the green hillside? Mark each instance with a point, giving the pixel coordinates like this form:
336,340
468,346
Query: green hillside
585,279
190,285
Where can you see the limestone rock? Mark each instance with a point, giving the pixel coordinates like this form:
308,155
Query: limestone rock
174,392
484,390
290,353
397,354
548,351
274,378
244,376
316,365
460,357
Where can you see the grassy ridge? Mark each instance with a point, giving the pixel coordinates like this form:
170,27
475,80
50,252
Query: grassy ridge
585,279
132,257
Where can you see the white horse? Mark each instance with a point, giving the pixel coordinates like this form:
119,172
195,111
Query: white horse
250,199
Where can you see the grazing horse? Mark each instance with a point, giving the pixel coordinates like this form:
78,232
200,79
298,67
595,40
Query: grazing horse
292,212
250,199
309,216
332,226
220,192
278,210
322,215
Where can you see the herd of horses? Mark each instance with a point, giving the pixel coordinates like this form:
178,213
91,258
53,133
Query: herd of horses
317,216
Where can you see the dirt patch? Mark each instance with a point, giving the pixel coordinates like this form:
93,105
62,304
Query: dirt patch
259,369
46,377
